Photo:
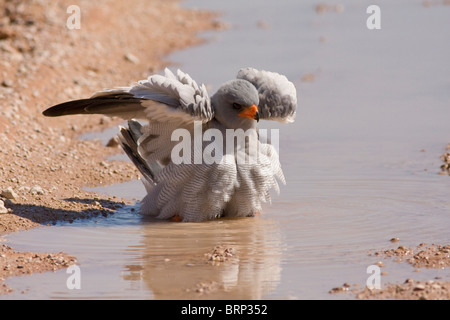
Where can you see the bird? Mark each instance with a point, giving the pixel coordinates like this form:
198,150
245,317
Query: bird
188,168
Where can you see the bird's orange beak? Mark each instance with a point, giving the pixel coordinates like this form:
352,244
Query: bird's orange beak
250,112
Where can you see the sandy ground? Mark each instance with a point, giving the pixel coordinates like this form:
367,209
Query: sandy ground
44,166
432,256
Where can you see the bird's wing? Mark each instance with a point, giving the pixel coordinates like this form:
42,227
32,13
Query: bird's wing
167,102
277,95
161,98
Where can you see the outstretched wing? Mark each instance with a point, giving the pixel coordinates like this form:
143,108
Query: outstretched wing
161,98
167,102
277,95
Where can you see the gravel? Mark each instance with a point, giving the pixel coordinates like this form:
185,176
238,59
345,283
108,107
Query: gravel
434,256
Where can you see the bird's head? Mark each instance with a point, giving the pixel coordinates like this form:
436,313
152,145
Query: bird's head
236,104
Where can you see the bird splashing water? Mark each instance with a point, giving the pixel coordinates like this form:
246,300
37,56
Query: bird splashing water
196,189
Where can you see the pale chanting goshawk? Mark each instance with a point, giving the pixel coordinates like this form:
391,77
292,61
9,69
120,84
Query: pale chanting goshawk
189,190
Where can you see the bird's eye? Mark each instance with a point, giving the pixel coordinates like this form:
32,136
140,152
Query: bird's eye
237,106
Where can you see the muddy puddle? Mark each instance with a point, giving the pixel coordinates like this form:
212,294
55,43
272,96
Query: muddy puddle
361,164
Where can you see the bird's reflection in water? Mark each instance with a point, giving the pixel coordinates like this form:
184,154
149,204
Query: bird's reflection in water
221,259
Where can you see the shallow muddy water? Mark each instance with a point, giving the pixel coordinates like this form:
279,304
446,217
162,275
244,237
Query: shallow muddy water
361,164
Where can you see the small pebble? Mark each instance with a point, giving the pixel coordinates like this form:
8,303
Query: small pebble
36,190
3,209
131,58
113,142
7,83
419,287
436,286
9,193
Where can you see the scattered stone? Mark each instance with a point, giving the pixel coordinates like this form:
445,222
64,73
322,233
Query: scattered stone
7,83
428,256
445,168
221,254
13,263
9,193
131,58
424,255
434,256
205,287
409,290
419,287
220,25
344,288
36,190
104,164
3,209
113,142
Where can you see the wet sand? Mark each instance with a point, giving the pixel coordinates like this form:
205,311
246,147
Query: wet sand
44,166
422,256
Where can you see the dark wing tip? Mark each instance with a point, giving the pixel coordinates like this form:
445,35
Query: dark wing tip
102,104
67,108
